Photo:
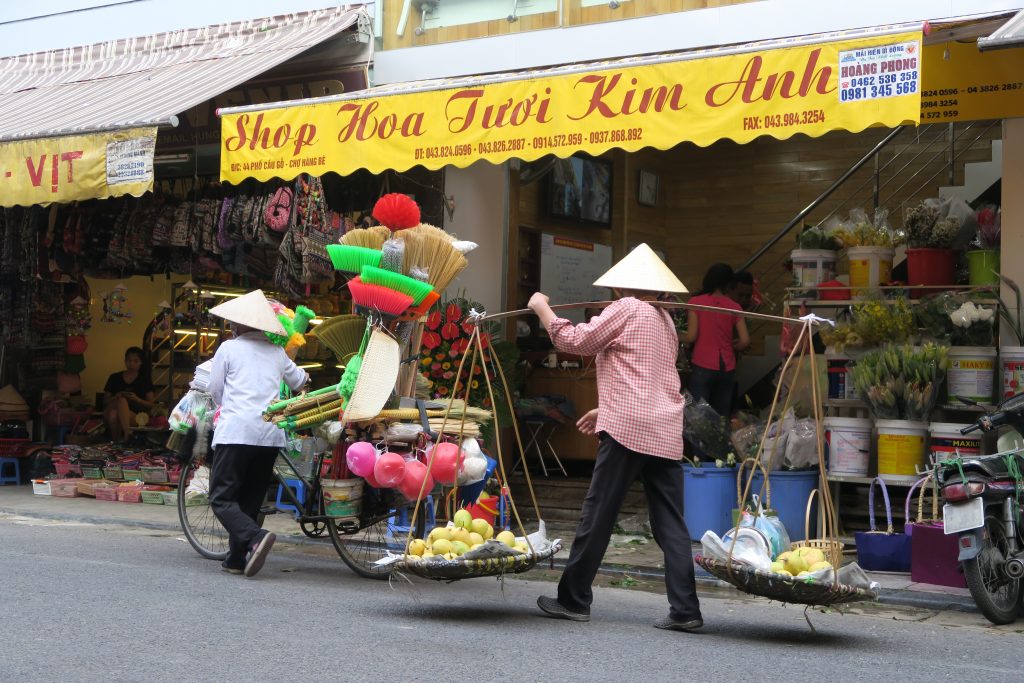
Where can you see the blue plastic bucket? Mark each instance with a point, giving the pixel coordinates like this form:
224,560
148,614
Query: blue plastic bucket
709,495
790,491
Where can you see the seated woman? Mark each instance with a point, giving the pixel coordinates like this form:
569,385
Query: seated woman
125,394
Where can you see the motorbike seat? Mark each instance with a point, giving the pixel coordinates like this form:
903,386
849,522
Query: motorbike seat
990,465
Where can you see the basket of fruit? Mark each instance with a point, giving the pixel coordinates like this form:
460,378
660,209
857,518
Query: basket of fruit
783,586
469,548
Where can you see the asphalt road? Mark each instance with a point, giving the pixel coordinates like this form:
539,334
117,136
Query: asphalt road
88,603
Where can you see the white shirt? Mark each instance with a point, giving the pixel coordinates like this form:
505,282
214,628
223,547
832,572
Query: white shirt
246,378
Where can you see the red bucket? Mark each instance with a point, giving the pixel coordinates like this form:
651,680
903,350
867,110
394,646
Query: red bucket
930,267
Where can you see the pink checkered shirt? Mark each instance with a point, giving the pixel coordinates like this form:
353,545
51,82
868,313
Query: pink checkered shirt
637,381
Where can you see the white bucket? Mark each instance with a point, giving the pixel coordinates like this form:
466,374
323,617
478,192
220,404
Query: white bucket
849,445
1013,370
811,267
869,267
972,372
946,441
901,449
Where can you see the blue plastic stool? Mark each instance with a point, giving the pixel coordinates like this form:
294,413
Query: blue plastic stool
400,522
6,464
299,488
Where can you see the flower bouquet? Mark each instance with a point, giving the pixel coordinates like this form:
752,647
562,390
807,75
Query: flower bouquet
871,323
954,319
901,382
858,230
927,229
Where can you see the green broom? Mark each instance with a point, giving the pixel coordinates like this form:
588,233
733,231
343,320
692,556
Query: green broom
351,259
400,283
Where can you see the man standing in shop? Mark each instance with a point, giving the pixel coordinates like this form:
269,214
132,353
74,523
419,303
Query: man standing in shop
246,377
639,421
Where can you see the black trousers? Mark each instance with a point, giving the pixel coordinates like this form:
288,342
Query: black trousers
238,484
616,469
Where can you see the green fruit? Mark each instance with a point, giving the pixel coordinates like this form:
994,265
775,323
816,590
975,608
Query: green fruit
459,548
463,519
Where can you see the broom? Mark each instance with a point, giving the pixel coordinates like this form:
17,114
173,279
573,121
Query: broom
342,334
372,238
350,258
396,281
377,297
430,249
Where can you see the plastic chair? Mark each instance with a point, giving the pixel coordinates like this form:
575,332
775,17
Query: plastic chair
298,487
10,465
400,523
537,431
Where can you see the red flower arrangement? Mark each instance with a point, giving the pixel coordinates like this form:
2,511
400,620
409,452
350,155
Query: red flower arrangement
445,340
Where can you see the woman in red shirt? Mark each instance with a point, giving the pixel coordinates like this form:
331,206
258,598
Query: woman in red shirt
713,358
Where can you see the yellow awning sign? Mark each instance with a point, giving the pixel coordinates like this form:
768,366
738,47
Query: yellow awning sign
809,89
77,167
971,85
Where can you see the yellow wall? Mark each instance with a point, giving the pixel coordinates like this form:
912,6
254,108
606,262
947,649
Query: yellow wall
108,340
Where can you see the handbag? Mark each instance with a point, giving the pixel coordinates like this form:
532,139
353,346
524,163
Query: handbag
278,212
883,551
933,554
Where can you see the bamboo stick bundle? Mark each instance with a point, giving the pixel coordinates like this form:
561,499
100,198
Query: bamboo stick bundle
372,238
312,402
330,408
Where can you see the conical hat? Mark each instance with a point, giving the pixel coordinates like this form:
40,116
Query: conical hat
10,399
641,269
252,310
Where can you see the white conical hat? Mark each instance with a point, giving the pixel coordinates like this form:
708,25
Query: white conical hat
641,269
252,310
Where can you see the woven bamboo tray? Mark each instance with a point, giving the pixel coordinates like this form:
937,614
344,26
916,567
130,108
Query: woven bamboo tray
452,570
782,589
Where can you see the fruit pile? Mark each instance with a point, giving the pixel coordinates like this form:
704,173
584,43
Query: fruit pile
464,534
800,563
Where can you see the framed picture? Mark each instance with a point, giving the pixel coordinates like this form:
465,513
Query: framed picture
647,188
580,188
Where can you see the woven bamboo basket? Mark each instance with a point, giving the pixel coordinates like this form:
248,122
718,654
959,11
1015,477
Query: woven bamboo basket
782,588
451,570
830,548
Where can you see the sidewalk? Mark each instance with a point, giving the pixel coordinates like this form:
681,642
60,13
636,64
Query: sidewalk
635,556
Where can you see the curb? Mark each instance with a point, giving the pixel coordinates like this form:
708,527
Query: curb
900,598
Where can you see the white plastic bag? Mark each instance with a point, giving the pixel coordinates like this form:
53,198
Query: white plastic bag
748,550
775,445
801,445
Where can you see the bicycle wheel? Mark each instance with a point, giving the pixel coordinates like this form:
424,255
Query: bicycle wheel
203,530
383,526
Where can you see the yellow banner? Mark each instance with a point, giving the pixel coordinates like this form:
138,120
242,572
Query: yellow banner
809,89
971,85
76,167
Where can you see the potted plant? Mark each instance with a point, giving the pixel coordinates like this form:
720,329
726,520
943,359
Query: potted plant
869,244
983,261
930,259
814,259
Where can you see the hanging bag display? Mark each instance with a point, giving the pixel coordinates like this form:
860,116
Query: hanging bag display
885,551
278,211
933,554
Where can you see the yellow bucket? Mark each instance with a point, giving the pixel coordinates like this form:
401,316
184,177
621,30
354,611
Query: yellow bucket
901,451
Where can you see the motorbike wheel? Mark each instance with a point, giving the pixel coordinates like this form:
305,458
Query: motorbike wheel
996,596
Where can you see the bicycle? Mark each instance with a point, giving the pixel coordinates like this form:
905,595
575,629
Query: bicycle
360,540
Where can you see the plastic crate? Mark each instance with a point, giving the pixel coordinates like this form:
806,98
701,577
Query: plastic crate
106,492
113,472
170,497
154,474
41,487
131,474
66,470
64,488
151,497
11,448
129,494
92,472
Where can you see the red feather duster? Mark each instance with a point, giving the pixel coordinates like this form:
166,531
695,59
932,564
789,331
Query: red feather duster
397,211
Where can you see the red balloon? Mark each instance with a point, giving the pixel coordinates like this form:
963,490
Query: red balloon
389,470
372,482
412,482
446,463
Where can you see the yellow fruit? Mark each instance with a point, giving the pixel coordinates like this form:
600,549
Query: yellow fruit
448,556
427,553
490,533
480,526
784,557
459,548
818,566
508,538
796,564
522,547
439,533
441,546
475,538
417,547
474,547
463,519
811,555
783,572
460,534
778,566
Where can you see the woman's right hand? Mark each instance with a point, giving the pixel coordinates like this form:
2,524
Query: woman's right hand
588,423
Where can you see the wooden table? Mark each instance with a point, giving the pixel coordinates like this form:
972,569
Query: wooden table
579,386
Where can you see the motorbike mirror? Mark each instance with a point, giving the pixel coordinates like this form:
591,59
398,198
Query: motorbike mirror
968,401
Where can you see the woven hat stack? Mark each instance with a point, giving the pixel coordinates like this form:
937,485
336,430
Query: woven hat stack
641,269
12,405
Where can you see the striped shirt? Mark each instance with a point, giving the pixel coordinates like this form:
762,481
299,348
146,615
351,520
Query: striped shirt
637,382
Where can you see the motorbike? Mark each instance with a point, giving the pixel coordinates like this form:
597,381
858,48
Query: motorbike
981,505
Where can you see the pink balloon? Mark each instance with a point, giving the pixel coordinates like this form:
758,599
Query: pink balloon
446,463
360,457
389,470
412,482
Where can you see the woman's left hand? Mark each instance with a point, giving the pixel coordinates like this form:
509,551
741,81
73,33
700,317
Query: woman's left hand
538,300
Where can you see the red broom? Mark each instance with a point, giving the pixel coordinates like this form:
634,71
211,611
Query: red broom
377,297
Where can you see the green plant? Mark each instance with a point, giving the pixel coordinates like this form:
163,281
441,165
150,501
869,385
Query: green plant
1012,319
816,237
901,382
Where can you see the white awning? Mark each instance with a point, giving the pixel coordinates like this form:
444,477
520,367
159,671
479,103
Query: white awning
1010,34
147,80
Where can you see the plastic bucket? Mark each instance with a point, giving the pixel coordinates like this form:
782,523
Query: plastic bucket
840,377
790,491
869,267
709,495
926,266
972,372
1013,370
900,449
983,266
946,441
811,267
849,445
